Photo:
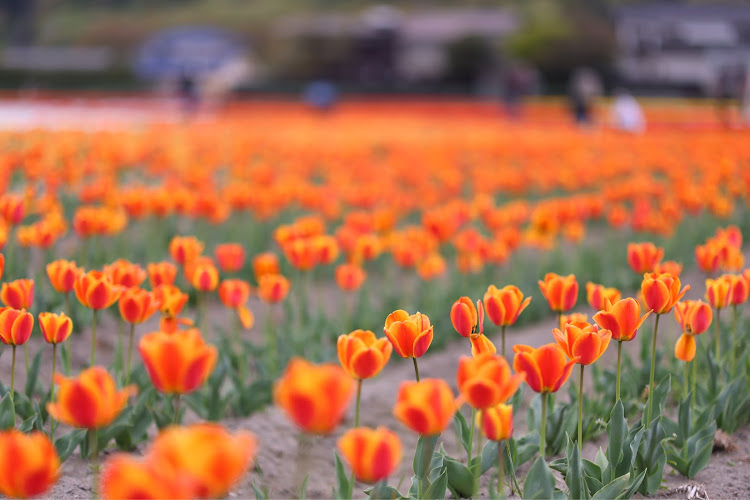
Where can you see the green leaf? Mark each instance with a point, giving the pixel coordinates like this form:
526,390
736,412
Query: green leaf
381,491
423,455
700,447
28,424
436,490
343,488
574,476
489,456
617,432
7,413
67,443
612,490
633,486
460,478
527,447
540,483
259,494
33,374
303,487
661,392
652,456
462,430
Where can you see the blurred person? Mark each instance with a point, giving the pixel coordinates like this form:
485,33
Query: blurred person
745,102
321,94
187,92
517,82
627,114
729,92
585,86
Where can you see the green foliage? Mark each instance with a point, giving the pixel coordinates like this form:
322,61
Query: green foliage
691,445
561,421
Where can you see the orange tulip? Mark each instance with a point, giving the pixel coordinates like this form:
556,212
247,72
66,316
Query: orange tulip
234,294
504,305
137,305
739,289
693,316
326,249
161,273
350,277
546,368
598,294
362,354
718,291
265,263
411,335
184,249
573,317
2,265
301,253
177,363
205,456
661,291
273,288
496,423
204,277
29,465
230,256
622,319
89,401
372,454
18,294
125,274
485,380
425,407
561,292
56,328
15,326
314,397
63,275
431,267
12,208
95,290
125,477
669,266
685,347
481,344
582,341
708,257
465,317
644,257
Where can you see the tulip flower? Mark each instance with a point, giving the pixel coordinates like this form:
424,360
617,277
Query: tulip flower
372,454
503,307
546,370
425,407
496,423
586,343
2,265
719,295
18,294
660,293
177,363
596,295
314,397
125,477
669,266
265,263
644,257
431,267
273,288
572,318
96,291
301,253
350,277
184,249
234,294
161,273
230,257
694,318
481,344
411,335
205,457
29,464
171,301
485,381
62,276
204,277
708,257
15,330
622,319
56,328
561,293
136,306
465,317
326,249
125,274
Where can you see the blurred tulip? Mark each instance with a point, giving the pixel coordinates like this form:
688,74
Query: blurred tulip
95,290
89,401
314,397
234,294
63,274
582,341
29,465
465,317
161,273
708,257
177,363
125,274
204,277
372,454
669,266
230,257
486,380
661,291
693,316
481,344
301,253
572,318
685,348
125,477
425,407
273,288
496,423
504,305
15,326
350,277
596,295
12,208
644,257
411,335
326,249
171,301
739,289
265,263
56,328
431,267
561,292
363,355
18,294
184,249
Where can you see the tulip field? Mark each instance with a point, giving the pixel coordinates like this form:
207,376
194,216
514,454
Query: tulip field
395,299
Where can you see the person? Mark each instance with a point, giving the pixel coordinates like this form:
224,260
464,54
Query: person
627,114
585,87
321,95
187,90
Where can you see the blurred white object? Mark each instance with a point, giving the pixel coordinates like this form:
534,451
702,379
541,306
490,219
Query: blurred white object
627,113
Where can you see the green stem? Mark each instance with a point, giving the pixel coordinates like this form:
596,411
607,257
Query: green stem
559,320
65,349
514,485
26,358
177,402
13,376
419,489
271,344
718,334
471,435
356,408
119,352
416,368
130,353
93,340
580,410
619,358
543,426
695,377
204,313
732,353
502,334
653,368
94,463
500,470
52,392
